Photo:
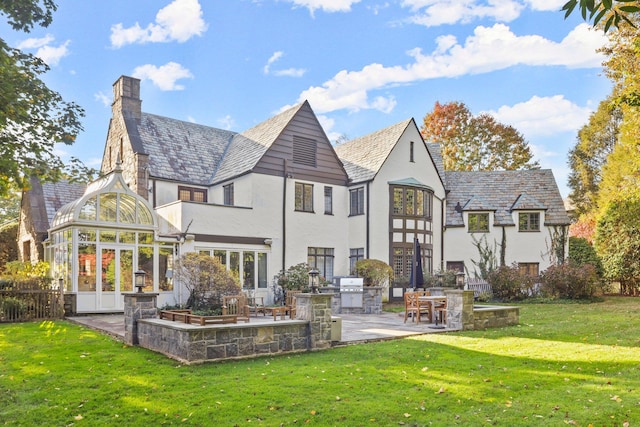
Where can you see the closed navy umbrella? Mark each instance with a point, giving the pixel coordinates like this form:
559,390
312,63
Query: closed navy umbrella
417,277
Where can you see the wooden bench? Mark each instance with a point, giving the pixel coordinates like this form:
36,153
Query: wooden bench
186,316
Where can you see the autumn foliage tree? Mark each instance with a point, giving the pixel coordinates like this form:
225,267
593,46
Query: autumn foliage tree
475,143
33,118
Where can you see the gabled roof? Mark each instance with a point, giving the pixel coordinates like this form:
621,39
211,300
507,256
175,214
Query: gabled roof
363,157
504,191
248,147
179,150
46,198
436,154
476,203
202,155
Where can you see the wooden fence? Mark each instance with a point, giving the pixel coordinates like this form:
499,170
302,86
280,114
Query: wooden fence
26,303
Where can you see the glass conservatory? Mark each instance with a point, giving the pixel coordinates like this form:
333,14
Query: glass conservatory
97,242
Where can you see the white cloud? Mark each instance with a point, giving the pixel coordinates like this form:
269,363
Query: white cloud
543,116
165,76
102,98
51,55
276,55
546,5
325,5
288,72
488,49
226,122
179,21
438,12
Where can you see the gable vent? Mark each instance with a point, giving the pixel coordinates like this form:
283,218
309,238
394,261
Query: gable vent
304,151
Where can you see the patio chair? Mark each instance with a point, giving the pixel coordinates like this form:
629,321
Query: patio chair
412,306
236,305
256,305
440,311
290,302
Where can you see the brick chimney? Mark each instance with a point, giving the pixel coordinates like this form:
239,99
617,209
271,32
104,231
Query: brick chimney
126,97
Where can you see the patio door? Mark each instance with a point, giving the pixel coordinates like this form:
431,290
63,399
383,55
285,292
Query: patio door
116,277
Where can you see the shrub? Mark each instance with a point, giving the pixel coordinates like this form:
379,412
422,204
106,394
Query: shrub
374,272
571,281
508,284
207,280
295,277
12,309
581,252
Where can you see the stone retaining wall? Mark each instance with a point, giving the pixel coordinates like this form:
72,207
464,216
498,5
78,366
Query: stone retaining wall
194,343
495,316
310,330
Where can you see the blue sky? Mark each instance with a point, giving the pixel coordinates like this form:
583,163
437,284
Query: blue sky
362,64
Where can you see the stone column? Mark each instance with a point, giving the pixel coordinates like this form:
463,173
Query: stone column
459,309
137,305
316,309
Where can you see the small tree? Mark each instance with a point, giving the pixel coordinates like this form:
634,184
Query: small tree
295,277
581,252
374,272
207,280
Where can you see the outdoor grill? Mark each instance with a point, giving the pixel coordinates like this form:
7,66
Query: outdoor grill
351,290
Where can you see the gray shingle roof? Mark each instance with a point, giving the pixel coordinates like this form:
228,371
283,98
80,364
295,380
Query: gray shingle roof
202,155
248,147
55,195
504,191
363,157
180,150
436,155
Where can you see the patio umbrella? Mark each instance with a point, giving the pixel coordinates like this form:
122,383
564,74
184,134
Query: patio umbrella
417,277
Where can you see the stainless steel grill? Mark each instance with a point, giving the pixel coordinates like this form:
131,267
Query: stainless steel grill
351,290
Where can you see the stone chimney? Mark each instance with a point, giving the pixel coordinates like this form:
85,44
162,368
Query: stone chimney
126,97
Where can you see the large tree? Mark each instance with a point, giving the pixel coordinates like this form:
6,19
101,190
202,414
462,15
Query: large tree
606,13
33,118
475,143
595,142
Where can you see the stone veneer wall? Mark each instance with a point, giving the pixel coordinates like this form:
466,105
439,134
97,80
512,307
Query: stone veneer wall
311,330
495,317
194,343
462,314
137,306
371,301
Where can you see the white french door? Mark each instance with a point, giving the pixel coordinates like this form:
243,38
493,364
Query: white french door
117,277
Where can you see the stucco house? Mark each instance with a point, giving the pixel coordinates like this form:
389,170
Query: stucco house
262,200
513,217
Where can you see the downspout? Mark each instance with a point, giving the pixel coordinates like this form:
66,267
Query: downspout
284,213
368,219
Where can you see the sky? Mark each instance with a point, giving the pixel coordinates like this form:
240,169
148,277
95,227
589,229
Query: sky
362,64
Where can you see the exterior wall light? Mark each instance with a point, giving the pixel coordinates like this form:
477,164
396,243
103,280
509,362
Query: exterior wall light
314,280
140,280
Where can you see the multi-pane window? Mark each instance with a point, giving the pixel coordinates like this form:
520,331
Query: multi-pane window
410,201
304,197
228,194
356,201
322,260
328,200
191,194
251,266
478,222
529,221
529,268
355,255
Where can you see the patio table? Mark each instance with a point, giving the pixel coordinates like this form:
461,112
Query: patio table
432,300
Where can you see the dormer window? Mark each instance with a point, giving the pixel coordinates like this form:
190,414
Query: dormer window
478,222
529,221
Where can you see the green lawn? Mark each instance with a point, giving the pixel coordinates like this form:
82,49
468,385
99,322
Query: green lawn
565,364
